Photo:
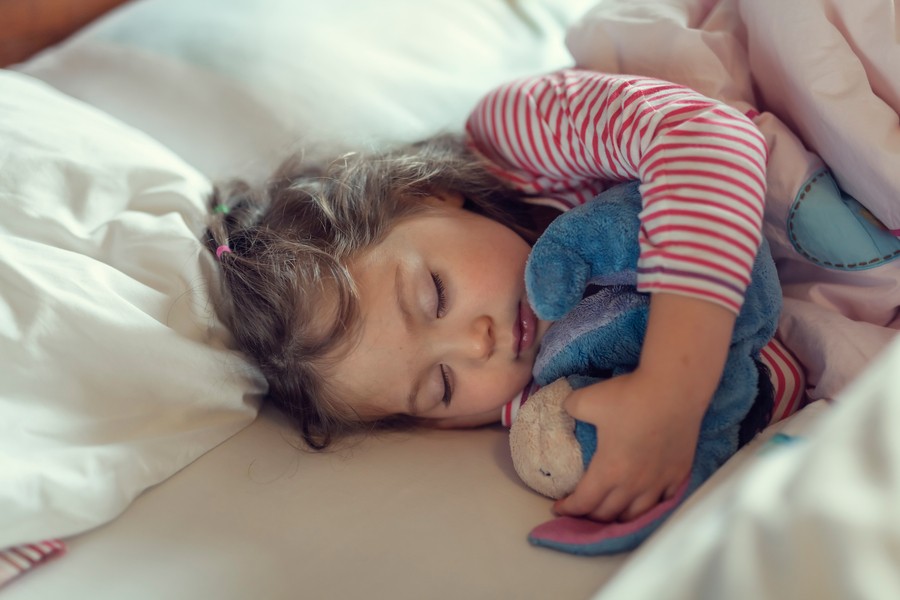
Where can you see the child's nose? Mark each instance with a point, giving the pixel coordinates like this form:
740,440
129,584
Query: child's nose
475,341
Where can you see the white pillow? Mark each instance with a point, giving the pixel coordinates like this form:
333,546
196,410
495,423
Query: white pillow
115,372
232,85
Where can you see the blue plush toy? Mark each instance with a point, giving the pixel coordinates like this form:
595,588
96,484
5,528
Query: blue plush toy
581,274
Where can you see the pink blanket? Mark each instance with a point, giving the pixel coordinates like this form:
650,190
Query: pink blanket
824,76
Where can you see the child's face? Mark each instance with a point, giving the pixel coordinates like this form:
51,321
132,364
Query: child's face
447,332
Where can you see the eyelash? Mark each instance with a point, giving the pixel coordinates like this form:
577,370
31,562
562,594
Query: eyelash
448,391
441,309
441,294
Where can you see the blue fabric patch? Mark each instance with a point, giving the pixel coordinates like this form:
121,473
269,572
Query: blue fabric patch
833,230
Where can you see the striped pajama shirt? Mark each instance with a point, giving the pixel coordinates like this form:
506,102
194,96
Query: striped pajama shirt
563,137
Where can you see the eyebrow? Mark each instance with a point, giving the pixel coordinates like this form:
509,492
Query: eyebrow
412,398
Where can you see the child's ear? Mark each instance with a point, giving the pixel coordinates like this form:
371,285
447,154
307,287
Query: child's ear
451,199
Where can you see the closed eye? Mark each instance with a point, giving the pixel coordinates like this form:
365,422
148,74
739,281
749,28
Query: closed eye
441,295
448,390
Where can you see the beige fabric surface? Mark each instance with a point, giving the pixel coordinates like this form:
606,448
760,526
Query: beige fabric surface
434,514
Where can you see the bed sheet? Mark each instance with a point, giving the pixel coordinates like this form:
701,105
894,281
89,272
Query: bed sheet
435,514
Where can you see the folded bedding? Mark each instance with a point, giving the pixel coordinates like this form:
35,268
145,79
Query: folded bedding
116,372
819,79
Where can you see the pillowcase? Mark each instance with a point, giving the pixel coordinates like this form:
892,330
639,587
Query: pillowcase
116,373
234,86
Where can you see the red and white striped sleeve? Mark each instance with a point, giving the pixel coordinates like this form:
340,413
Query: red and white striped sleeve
569,134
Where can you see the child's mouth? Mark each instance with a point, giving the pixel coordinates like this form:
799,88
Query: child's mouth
525,328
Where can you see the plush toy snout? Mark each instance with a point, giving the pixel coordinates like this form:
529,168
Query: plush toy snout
546,454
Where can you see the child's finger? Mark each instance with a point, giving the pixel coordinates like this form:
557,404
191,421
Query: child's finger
579,405
612,506
587,496
640,505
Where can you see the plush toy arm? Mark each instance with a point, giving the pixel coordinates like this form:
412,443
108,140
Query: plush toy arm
596,242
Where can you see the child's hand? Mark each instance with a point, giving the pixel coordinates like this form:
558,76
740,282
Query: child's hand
645,447
648,421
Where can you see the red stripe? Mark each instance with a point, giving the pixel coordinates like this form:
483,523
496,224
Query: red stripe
529,130
794,372
509,120
720,135
713,175
745,265
18,552
663,161
608,113
751,252
548,150
662,192
741,276
571,167
4,556
637,118
686,212
779,376
691,200
744,120
725,148
517,116
599,91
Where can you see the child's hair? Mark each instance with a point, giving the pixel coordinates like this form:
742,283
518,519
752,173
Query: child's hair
290,245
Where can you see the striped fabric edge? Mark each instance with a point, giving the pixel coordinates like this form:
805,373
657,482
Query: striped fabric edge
787,378
572,133
510,410
16,560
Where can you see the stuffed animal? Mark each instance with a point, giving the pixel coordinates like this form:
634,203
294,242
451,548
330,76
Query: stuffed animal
581,275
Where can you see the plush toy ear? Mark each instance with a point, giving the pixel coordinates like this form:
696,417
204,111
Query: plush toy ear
591,243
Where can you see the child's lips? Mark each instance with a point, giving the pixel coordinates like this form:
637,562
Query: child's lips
525,329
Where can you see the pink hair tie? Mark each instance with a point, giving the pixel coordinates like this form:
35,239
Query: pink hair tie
222,250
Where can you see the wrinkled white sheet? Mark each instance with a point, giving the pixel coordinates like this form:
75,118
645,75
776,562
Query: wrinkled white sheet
825,75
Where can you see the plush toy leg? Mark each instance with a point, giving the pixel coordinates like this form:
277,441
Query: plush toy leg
586,537
734,399
718,441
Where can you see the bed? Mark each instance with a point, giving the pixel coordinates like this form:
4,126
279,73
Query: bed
132,436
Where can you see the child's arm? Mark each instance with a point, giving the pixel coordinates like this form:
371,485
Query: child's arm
702,166
648,421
